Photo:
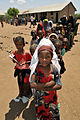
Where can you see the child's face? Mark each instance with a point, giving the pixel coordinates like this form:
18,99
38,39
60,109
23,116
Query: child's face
65,42
34,34
40,34
45,58
19,45
48,32
58,48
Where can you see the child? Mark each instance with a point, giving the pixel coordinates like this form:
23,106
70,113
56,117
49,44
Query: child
46,81
33,48
23,59
40,27
58,46
53,37
64,46
40,35
48,32
34,37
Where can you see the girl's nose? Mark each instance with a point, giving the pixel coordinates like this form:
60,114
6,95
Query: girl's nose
44,59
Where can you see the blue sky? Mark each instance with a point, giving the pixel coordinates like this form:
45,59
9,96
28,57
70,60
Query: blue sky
25,4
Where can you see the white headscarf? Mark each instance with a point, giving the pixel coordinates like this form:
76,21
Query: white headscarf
50,24
34,60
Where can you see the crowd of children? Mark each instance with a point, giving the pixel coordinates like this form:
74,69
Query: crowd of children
39,71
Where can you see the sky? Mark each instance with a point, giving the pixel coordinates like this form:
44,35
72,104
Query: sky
26,4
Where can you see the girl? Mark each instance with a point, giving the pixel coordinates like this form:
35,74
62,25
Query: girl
34,37
40,35
40,27
22,59
33,48
58,45
46,81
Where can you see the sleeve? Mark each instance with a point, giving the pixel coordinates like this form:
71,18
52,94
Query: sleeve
29,57
14,53
35,74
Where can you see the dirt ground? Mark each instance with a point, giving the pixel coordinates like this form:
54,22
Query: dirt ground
69,95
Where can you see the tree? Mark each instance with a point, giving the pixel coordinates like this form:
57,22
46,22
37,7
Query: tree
77,16
12,12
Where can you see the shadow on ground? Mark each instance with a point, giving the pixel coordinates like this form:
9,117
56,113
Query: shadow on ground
16,109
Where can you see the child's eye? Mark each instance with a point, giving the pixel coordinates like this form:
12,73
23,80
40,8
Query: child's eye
48,57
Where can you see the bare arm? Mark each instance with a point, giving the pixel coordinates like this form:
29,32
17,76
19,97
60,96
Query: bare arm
41,86
55,87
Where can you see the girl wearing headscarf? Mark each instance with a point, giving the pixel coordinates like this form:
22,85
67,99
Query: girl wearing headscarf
40,27
50,24
45,80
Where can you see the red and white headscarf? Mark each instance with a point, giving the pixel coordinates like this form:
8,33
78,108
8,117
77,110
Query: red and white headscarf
48,48
34,61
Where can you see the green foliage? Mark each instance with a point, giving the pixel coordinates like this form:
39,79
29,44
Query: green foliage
12,12
77,16
7,16
1,17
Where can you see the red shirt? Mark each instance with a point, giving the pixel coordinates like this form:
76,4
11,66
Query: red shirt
22,58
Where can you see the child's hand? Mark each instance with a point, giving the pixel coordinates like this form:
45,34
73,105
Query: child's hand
49,84
28,62
33,85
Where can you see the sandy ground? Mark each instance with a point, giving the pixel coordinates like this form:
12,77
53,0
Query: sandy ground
69,96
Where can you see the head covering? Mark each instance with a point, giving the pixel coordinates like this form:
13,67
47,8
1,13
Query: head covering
45,48
40,27
45,20
50,24
34,60
53,34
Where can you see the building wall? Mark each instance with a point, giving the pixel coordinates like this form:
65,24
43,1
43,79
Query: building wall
51,17
68,10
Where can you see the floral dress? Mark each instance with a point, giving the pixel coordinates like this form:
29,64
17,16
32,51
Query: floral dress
46,102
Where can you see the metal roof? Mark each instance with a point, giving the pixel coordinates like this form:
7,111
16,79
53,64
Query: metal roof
52,7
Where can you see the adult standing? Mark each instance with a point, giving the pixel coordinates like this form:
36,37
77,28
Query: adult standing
31,20
45,24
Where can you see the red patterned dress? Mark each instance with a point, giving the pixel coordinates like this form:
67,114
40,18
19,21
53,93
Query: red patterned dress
46,102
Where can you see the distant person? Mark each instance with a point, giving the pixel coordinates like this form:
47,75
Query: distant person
45,24
22,59
64,20
40,35
34,39
40,27
31,20
11,21
48,32
50,24
2,24
25,20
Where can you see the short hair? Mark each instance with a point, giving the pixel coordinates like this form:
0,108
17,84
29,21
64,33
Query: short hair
16,39
32,32
58,41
